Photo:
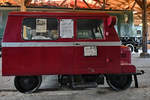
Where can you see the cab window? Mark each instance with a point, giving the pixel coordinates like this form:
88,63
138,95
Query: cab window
90,29
40,29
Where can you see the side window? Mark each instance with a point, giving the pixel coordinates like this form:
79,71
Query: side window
40,29
90,29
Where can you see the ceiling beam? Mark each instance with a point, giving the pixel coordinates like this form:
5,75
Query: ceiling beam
86,4
148,5
63,2
27,2
100,4
139,2
133,5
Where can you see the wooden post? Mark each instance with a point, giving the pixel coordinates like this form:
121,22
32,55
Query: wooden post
104,3
144,32
75,5
22,5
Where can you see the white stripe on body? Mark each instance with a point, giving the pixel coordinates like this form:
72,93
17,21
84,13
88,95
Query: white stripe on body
58,44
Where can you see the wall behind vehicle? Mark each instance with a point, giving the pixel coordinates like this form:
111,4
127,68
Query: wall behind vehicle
124,25
148,36
3,19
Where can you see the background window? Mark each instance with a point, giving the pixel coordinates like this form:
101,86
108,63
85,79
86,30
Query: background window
40,29
90,29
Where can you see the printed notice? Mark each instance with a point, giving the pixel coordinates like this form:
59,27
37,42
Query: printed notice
41,25
66,28
90,51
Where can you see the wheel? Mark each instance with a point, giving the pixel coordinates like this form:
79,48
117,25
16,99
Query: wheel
27,84
131,47
119,82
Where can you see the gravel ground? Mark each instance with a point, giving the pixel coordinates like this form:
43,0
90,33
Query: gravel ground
46,92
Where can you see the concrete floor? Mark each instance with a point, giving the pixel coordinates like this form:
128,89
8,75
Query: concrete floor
49,90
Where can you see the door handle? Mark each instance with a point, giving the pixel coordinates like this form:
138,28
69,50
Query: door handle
76,44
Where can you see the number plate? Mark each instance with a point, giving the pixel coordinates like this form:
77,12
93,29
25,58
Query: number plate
90,51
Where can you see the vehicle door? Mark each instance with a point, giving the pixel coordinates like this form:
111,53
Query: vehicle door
92,48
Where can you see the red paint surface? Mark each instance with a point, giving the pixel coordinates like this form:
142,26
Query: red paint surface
60,60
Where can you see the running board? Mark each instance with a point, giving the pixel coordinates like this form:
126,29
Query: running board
85,85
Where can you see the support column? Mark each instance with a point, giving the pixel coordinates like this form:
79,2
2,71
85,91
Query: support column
104,4
22,5
75,5
144,53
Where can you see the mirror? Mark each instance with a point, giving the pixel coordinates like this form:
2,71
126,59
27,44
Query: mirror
111,21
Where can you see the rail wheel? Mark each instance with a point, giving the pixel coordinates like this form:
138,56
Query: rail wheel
119,82
27,84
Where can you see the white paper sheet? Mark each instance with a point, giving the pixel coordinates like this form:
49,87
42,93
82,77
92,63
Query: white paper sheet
41,25
66,28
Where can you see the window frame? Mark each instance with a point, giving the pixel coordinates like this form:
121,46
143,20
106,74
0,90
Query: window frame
91,17
35,17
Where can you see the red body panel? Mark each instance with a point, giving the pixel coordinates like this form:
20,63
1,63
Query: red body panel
98,64
60,59
38,60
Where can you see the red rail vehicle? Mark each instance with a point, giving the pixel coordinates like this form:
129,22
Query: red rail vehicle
82,48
